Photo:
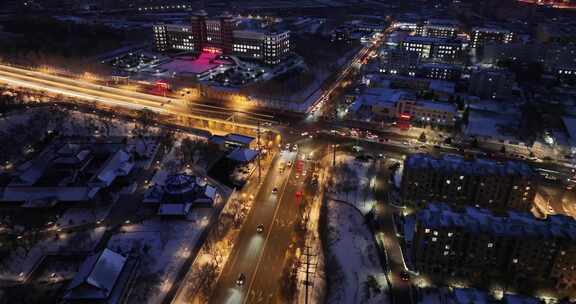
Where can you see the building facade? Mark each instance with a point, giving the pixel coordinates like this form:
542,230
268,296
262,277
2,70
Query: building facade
219,34
408,63
457,181
438,29
481,36
491,84
476,243
434,49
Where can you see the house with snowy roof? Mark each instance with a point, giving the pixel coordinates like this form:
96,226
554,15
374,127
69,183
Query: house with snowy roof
179,194
66,171
104,277
232,140
242,155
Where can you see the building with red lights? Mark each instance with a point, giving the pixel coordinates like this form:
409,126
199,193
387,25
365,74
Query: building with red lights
220,35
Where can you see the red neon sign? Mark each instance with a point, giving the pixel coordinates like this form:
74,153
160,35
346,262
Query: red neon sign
212,50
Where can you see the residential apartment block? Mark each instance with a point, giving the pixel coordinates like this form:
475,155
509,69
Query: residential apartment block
481,36
433,49
460,182
476,243
438,28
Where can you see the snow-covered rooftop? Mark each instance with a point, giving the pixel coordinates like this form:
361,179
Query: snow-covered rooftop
457,164
570,125
96,277
437,106
242,154
482,221
120,164
491,125
174,209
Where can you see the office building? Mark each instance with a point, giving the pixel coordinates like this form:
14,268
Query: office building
399,62
408,63
491,84
433,49
439,71
475,243
400,105
458,181
438,28
482,36
219,35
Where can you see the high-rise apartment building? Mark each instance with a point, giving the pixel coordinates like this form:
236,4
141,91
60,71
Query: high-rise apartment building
460,182
477,243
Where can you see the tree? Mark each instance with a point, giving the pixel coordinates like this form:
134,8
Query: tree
422,137
144,121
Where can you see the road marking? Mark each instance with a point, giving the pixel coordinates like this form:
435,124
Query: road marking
269,233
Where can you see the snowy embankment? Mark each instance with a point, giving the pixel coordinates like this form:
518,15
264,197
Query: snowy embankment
354,181
163,247
354,271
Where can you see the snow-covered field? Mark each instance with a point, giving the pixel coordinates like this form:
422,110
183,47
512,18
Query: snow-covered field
354,181
355,274
163,246
20,262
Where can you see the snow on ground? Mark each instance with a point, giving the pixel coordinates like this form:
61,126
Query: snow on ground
80,216
20,263
13,120
355,274
163,246
354,181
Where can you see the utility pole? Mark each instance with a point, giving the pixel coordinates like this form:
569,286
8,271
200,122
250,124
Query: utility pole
334,155
259,153
310,269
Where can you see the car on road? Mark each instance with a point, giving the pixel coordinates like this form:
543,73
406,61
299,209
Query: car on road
260,228
240,280
404,276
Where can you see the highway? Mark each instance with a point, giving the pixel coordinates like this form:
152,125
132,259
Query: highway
110,96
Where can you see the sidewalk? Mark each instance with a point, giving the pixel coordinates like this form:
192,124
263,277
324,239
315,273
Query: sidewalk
215,250
317,285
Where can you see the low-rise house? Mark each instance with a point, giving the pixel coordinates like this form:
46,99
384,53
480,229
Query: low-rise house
104,277
180,193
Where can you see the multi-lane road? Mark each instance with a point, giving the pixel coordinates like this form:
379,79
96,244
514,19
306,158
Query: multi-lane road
117,97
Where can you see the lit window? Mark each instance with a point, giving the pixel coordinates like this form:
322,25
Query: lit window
514,261
427,230
490,245
448,181
434,239
450,234
435,232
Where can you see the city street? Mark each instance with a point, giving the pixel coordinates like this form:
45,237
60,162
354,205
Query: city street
250,245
